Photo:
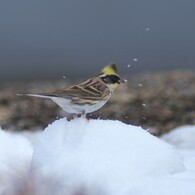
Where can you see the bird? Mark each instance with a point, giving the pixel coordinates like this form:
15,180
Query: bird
87,96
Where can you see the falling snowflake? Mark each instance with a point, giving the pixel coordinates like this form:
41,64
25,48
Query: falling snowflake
147,29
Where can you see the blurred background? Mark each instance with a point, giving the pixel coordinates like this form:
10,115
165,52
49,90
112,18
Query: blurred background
44,39
46,45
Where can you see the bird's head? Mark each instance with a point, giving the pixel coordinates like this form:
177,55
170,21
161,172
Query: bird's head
110,77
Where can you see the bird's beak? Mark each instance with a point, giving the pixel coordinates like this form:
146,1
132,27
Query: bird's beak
123,80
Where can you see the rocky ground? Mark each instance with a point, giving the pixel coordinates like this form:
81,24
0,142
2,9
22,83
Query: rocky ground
158,102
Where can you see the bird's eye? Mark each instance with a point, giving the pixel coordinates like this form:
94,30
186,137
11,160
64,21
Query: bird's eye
111,79
115,79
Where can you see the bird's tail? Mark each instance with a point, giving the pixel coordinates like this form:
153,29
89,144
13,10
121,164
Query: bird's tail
35,95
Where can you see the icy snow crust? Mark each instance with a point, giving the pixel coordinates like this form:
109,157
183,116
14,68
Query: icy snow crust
100,157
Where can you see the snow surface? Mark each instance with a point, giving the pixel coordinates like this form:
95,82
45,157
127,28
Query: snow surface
100,157
184,139
15,157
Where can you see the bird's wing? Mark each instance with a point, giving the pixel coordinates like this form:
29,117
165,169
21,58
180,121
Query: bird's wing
89,89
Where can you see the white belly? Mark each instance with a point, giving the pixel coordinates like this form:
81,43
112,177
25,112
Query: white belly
67,106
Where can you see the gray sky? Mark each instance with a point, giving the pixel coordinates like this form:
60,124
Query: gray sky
48,39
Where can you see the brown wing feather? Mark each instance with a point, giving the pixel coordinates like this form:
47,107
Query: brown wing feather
87,90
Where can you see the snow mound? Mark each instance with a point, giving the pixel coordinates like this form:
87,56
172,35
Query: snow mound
181,137
95,157
101,152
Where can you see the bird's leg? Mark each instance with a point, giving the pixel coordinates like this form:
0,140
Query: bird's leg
83,115
75,116
80,115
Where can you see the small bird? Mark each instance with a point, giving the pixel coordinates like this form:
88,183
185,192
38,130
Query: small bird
88,96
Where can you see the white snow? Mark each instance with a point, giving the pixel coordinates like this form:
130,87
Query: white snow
15,157
97,157
140,85
183,138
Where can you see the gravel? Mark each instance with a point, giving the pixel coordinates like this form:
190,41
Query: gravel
158,102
